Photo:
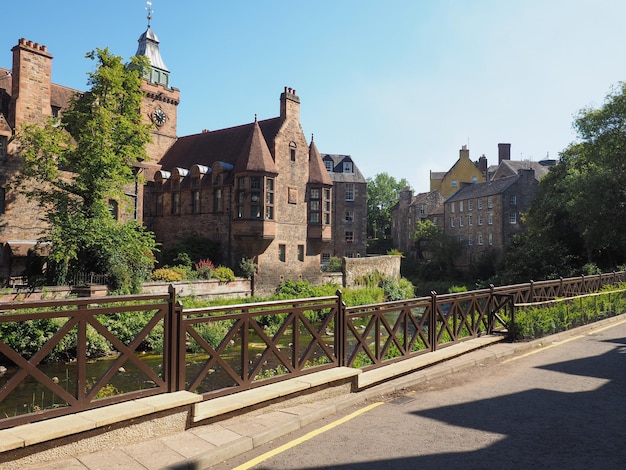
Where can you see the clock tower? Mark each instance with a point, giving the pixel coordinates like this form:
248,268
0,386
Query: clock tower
160,103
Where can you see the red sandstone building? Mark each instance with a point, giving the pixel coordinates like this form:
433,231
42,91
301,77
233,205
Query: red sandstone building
258,189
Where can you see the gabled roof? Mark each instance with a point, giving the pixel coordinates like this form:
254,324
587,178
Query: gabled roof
317,170
224,145
490,188
512,167
338,176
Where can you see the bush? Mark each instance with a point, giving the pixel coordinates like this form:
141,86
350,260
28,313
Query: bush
204,269
223,274
247,268
167,275
334,265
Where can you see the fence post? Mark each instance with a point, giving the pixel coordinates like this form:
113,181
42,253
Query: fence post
173,347
531,296
491,313
432,322
340,330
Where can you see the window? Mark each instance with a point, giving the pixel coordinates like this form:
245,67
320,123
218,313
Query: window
480,220
469,220
314,206
452,207
513,200
422,210
255,197
490,239
349,237
3,147
325,259
175,203
480,238
460,206
329,165
454,183
300,252
269,198
513,217
195,201
470,205
474,179
292,151
159,204
217,200
282,253
460,221
241,201
349,191
349,217
451,221
479,203
489,219
114,209
3,195
489,202
326,210
470,239
347,167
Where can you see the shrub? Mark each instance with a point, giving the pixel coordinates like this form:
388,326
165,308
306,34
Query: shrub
204,269
247,268
224,274
167,275
334,265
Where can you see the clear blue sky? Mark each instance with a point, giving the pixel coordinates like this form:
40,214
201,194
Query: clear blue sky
400,85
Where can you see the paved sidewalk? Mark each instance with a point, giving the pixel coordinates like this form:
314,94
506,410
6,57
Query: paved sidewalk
202,446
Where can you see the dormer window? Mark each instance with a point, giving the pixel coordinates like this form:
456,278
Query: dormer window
329,165
347,167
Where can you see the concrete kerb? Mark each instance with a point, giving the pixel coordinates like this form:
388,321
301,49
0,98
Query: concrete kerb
492,351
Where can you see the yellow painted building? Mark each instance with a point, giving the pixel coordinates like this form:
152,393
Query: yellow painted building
463,171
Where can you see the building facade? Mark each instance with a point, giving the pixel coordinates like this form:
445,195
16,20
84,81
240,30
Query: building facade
259,190
463,171
484,217
410,210
349,207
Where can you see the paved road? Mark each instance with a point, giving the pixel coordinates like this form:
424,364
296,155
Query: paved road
563,406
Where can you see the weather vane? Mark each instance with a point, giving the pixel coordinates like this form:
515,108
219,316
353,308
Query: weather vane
150,11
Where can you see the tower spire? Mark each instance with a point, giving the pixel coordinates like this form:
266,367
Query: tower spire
150,11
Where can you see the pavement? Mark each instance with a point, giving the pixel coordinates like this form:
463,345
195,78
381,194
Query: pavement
203,446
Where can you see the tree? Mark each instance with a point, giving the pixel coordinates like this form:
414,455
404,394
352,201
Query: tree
579,215
382,194
74,167
440,250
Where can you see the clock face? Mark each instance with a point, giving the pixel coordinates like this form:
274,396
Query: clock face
159,117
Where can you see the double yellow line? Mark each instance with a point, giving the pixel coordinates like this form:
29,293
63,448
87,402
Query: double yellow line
306,437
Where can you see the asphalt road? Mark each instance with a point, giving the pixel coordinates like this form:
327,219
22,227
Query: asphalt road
560,407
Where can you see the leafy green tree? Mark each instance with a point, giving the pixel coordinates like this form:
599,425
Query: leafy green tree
382,194
74,167
579,215
439,249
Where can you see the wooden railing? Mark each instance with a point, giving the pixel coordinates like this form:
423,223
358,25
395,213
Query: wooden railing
161,347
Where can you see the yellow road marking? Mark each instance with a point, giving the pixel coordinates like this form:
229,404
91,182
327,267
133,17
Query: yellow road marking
306,437
562,342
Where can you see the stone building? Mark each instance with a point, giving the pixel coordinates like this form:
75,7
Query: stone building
485,216
258,189
408,211
349,208
27,96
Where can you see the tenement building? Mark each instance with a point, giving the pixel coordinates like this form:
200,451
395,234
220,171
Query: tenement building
349,208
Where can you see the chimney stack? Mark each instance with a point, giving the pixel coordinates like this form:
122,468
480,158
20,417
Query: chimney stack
504,152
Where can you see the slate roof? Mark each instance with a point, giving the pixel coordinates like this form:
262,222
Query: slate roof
511,167
224,145
490,188
339,176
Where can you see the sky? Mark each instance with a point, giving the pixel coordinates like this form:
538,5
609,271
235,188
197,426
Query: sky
400,85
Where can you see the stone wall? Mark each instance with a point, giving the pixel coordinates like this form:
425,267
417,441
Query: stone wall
354,268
